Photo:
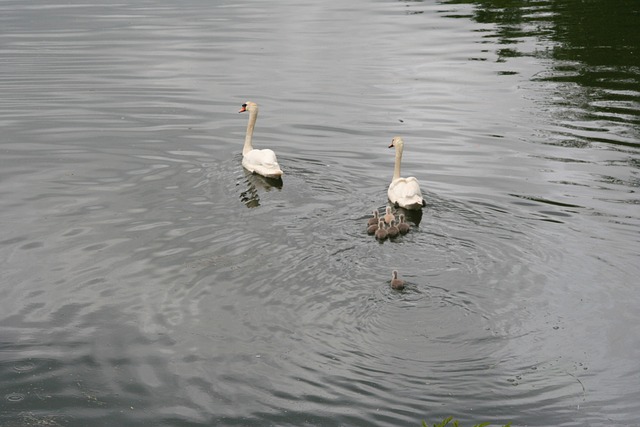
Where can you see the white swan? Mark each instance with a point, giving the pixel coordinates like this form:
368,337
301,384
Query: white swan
403,192
262,162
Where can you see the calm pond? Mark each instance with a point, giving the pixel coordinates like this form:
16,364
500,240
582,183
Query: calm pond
147,279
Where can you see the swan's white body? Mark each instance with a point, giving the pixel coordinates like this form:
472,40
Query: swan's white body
262,162
403,192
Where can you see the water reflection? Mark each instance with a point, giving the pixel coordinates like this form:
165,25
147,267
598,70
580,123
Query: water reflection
132,295
596,62
413,216
256,183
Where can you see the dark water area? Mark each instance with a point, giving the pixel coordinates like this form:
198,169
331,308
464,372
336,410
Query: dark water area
147,279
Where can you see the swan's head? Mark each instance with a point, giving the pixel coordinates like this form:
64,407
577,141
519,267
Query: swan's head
387,210
396,142
381,224
394,274
248,106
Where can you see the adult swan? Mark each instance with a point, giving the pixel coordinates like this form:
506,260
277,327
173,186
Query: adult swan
403,192
262,162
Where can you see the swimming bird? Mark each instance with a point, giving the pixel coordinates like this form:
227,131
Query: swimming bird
395,282
393,230
388,215
403,192
381,233
263,162
372,229
375,218
403,227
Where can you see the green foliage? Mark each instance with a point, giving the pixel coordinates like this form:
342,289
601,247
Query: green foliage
454,423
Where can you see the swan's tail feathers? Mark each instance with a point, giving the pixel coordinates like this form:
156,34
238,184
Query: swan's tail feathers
411,201
268,171
412,205
275,174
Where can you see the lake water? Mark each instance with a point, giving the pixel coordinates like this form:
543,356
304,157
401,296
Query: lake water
147,279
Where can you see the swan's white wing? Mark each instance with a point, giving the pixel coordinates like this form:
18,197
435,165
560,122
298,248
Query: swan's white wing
262,162
405,192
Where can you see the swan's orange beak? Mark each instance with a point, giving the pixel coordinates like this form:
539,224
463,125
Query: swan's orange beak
243,109
391,145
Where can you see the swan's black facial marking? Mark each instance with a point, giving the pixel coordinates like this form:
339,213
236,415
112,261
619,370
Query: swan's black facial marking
243,109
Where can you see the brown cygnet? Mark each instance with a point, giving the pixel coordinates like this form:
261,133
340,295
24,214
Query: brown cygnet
395,282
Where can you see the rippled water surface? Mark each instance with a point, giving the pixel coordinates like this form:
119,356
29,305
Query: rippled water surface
147,279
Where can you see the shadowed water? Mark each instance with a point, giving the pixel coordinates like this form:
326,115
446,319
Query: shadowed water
148,279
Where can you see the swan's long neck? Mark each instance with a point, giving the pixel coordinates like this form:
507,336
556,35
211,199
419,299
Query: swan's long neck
253,115
396,169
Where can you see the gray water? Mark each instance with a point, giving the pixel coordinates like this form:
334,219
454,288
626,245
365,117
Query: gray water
147,279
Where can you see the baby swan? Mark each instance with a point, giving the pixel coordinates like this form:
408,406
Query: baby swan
403,227
374,220
372,228
381,233
388,216
395,282
393,230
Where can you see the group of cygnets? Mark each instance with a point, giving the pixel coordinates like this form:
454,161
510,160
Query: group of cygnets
386,227
403,192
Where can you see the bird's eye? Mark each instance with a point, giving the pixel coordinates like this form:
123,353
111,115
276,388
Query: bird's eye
244,105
